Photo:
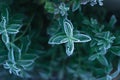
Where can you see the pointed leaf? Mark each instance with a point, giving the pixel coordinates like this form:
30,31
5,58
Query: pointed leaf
69,47
115,50
17,51
11,55
58,39
102,60
93,57
12,31
82,38
68,28
5,37
13,28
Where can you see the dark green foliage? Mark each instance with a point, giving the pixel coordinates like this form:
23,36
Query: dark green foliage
58,40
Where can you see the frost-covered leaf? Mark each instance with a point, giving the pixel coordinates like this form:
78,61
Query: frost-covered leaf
82,37
11,55
5,38
17,51
13,28
68,28
69,47
58,39
12,31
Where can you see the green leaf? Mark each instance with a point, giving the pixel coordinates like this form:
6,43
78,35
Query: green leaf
5,38
108,69
82,38
17,51
115,50
74,39
68,27
13,28
11,55
112,21
93,57
102,60
69,47
12,31
76,5
58,39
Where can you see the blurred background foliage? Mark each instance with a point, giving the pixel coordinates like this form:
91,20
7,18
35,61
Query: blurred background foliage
95,60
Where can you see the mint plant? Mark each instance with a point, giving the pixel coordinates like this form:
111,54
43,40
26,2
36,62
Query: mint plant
59,40
15,64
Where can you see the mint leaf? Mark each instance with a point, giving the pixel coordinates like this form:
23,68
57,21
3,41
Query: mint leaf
58,39
102,60
69,47
68,28
13,28
82,38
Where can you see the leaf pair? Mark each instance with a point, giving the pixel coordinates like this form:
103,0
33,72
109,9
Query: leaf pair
68,37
